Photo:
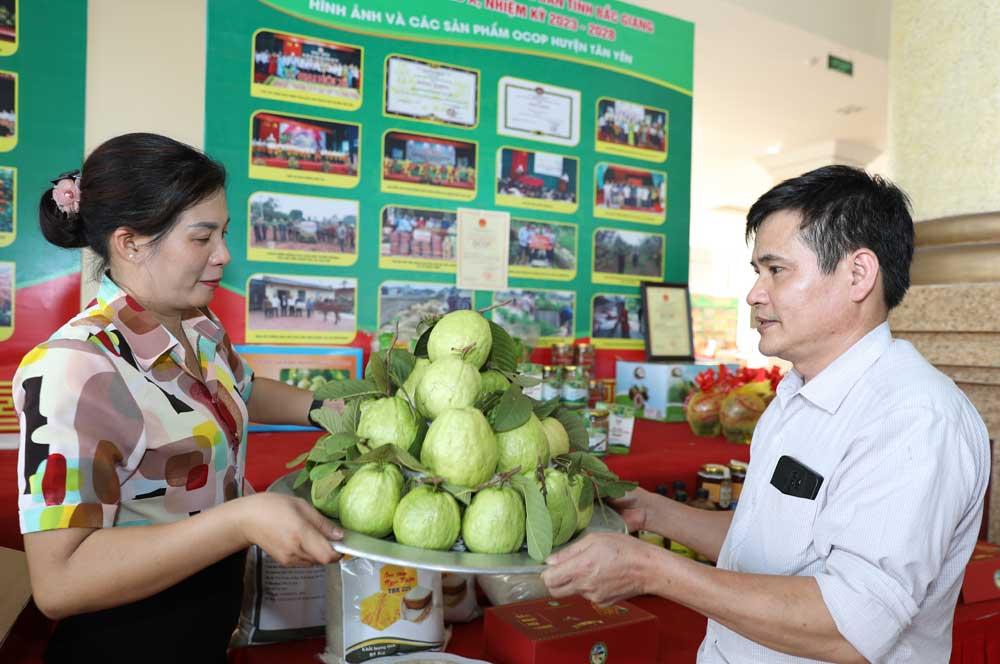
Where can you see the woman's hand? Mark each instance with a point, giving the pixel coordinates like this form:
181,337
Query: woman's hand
289,529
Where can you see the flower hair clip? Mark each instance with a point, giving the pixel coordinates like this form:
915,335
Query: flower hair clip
66,192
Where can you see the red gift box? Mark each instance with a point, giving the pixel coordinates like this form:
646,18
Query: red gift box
982,574
571,630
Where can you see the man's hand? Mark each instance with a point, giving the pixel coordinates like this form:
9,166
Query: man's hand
635,507
603,567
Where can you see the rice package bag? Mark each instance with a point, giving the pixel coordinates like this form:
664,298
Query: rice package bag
378,610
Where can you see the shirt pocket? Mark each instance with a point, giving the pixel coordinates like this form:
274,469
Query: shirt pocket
780,540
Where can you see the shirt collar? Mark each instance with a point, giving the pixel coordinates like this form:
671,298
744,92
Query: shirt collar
146,337
829,388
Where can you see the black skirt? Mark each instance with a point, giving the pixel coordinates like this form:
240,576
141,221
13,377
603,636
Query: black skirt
189,623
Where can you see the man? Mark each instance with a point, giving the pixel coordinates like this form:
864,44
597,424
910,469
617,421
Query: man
870,565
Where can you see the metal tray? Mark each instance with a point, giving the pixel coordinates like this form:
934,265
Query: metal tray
387,551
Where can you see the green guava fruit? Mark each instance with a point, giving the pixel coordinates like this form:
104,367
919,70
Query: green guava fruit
494,521
555,434
447,383
583,516
492,381
413,380
461,447
526,447
327,504
388,421
427,519
559,500
458,331
368,500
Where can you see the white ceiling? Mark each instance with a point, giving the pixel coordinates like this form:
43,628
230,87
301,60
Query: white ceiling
761,81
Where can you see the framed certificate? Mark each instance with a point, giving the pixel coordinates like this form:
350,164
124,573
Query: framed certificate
668,322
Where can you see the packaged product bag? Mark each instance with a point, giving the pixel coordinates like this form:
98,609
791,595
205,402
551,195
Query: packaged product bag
377,610
459,593
280,603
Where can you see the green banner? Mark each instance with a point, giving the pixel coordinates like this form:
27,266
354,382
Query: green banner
353,132
614,35
43,46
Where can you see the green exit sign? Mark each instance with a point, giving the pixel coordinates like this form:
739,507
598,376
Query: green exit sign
840,64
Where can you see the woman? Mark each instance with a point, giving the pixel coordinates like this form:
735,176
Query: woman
133,423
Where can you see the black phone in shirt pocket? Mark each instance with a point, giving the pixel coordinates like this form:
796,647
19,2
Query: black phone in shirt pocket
793,478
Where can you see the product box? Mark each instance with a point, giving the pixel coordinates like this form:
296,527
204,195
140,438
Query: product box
982,575
657,391
571,630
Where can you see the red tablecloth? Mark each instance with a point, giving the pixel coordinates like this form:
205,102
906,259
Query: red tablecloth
661,454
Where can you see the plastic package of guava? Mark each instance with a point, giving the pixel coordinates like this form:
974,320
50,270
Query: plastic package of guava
509,588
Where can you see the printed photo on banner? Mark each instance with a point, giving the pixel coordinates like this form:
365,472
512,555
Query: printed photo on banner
284,308
305,367
404,304
7,290
424,165
538,111
284,228
537,317
308,70
630,194
8,205
632,130
304,150
542,249
417,239
627,258
714,321
8,111
616,321
8,27
537,180
429,91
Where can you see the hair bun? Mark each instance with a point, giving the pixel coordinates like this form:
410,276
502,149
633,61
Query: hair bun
59,228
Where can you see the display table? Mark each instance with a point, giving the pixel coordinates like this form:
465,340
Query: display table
662,453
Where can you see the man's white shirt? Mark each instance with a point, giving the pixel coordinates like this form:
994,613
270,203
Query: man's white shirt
905,461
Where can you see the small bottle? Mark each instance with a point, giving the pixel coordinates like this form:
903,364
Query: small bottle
702,501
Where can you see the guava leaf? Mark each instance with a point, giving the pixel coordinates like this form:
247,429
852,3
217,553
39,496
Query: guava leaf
544,409
400,364
526,381
591,463
420,350
344,421
339,443
503,352
324,487
318,453
512,411
300,479
300,459
488,402
460,493
566,527
573,423
377,373
381,454
346,389
616,489
586,494
418,443
538,523
407,460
